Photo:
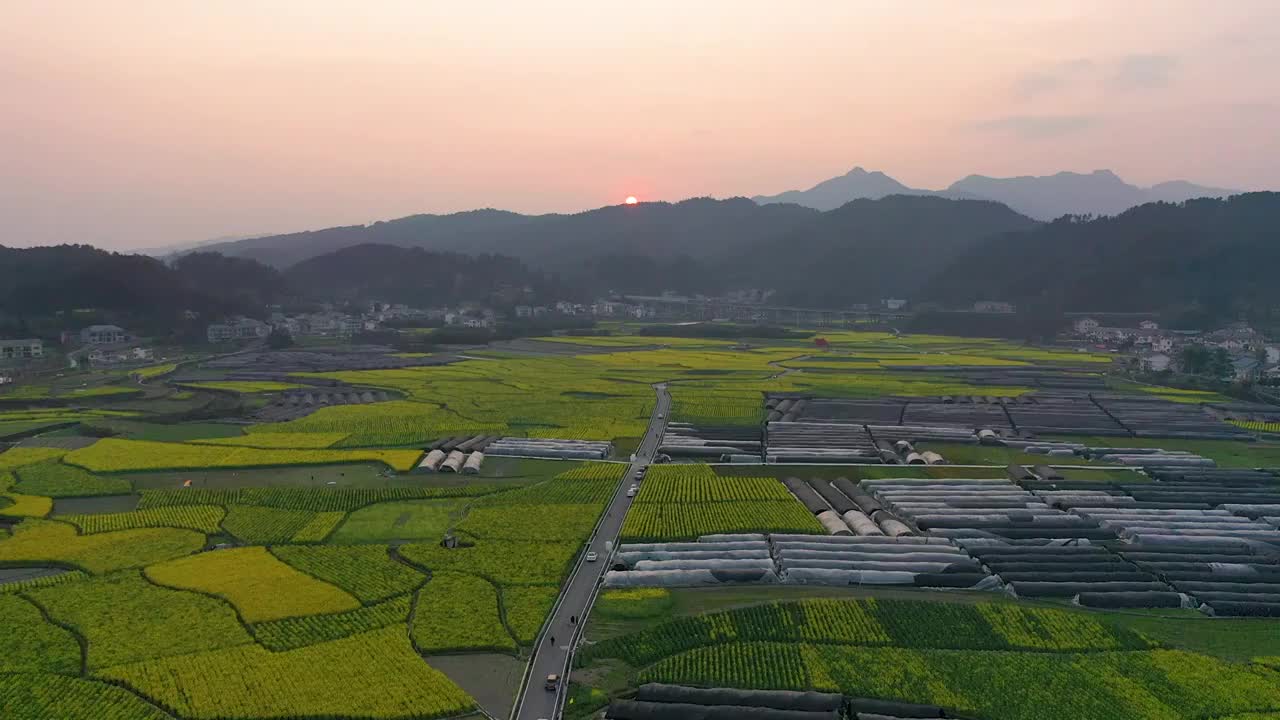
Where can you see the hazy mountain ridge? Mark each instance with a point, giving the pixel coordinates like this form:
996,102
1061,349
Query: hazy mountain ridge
1046,197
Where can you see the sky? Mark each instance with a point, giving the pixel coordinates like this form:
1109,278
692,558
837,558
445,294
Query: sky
150,123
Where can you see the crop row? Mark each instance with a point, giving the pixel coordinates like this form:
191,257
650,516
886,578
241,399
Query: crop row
701,484
878,622
243,386
531,522
116,455
313,499
15,458
1258,425
260,525
203,518
277,440
503,562
125,618
293,633
371,675
16,505
47,541
42,581
30,644
1147,685
365,571
319,527
52,478
40,696
259,585
656,522
458,612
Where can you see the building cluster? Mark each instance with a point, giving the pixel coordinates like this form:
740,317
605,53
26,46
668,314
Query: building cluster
96,345
319,324
1253,357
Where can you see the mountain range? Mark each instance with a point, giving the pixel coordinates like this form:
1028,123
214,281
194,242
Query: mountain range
1047,197
1205,259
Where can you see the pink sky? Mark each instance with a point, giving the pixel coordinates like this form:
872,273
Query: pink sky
153,122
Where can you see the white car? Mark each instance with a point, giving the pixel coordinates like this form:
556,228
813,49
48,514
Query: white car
631,492
592,556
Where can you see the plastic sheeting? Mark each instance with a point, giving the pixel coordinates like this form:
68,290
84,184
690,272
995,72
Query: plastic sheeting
719,564
777,699
698,546
894,709
1153,599
833,524
637,710
686,578
431,463
860,524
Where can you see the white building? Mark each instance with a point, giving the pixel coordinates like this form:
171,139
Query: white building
102,356
524,311
893,303
1156,362
103,335
993,306
26,349
1085,326
237,329
1148,325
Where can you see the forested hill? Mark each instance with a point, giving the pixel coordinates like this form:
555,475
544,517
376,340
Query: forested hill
421,278
870,249
861,252
1220,255
78,284
49,289
700,227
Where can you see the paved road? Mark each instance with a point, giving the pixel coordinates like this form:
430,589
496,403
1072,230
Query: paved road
552,658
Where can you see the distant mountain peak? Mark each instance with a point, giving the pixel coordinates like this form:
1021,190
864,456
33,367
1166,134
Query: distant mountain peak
1043,197
857,184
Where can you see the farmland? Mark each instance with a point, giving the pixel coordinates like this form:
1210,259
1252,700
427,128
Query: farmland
113,455
682,502
939,652
302,573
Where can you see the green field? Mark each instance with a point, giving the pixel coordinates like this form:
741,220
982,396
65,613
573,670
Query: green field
253,570
934,648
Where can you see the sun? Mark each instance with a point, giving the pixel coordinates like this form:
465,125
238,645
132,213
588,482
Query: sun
631,200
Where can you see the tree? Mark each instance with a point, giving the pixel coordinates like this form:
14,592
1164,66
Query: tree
1220,365
279,340
1195,359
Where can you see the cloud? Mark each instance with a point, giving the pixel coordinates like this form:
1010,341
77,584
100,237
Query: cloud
1052,77
1142,72
1038,127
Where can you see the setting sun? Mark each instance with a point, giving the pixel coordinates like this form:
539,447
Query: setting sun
631,200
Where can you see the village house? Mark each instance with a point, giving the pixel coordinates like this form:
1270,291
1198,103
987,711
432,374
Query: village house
241,328
103,335
25,349
99,357
1156,362
1085,326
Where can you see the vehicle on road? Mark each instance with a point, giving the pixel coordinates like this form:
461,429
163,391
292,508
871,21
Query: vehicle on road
592,556
631,492
553,682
